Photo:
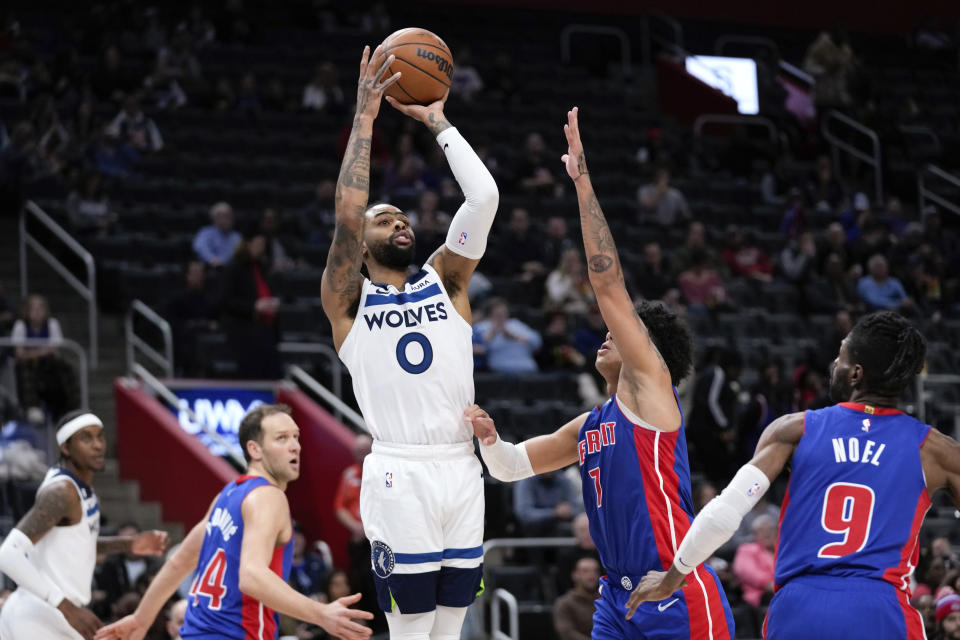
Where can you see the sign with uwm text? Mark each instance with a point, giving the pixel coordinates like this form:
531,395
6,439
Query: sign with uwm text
221,409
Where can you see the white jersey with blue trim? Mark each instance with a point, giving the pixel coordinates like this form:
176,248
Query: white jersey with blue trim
410,354
67,555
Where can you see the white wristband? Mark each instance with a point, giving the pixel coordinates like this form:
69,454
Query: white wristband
507,462
15,562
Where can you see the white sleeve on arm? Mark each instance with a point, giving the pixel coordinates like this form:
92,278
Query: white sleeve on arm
468,231
718,521
507,462
15,562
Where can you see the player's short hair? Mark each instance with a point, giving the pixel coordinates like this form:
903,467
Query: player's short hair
890,350
671,336
251,427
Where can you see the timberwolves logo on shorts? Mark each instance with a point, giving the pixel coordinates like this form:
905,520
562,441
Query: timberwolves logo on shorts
381,557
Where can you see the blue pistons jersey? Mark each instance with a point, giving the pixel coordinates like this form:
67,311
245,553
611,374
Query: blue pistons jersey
216,608
636,493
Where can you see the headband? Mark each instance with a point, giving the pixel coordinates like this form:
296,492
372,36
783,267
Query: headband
76,424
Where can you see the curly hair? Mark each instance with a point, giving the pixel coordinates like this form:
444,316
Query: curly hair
890,350
671,336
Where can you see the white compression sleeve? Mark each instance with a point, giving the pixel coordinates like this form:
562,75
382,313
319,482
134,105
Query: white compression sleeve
468,231
719,520
507,462
15,562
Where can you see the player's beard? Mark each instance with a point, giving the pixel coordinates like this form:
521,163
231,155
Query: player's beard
389,255
840,388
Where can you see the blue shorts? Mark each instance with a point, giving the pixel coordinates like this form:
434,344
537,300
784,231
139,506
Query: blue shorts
828,607
698,610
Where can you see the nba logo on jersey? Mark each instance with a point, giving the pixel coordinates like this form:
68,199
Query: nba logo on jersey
463,238
866,425
389,479
753,489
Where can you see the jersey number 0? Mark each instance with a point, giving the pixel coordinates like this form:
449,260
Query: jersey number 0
424,343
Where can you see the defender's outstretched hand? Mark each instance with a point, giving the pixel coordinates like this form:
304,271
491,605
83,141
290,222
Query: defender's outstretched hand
150,543
574,159
128,628
371,85
338,619
483,426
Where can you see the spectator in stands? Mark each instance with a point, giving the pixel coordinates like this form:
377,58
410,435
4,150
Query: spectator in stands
216,243
923,283
112,79
661,203
322,92
308,570
466,81
557,240
134,128
696,240
829,59
744,258
18,164
809,389
279,256
507,343
89,207
834,242
824,190
701,285
121,571
713,419
190,311
316,219
568,557
948,617
175,615
177,60
534,171
834,290
568,288
518,250
248,309
44,378
653,278
573,611
591,333
404,172
557,351
545,504
114,158
798,260
753,563
770,398
880,290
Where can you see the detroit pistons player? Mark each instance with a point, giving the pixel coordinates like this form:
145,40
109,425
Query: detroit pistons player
241,551
407,343
632,451
861,480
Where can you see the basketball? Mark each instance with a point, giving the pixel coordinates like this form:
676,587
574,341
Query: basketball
425,62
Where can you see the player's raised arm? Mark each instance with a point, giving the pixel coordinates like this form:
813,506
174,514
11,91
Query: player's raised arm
265,513
606,275
466,239
509,462
340,287
721,517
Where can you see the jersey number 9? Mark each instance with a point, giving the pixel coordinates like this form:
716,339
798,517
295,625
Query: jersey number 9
847,510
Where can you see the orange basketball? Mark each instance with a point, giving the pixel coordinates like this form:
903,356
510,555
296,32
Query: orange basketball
425,63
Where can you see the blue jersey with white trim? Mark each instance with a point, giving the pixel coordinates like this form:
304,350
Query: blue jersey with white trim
856,498
216,607
410,354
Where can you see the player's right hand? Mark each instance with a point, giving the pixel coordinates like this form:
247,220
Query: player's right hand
574,159
371,85
83,620
337,619
128,628
482,423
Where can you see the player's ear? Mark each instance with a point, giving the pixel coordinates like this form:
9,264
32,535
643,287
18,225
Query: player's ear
254,450
856,376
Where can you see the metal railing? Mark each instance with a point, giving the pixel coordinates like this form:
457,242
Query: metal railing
925,379
341,409
921,131
83,371
513,615
838,144
88,290
925,193
727,118
138,371
589,29
134,342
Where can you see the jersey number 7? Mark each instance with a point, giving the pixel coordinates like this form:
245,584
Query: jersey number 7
847,510
210,583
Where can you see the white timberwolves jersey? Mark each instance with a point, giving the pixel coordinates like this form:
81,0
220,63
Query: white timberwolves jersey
411,358
67,555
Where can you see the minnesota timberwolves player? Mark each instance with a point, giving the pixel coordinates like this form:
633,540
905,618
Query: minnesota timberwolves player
407,343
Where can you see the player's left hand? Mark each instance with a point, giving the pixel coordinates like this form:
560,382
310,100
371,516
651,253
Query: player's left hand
574,159
419,112
655,586
128,628
149,543
482,423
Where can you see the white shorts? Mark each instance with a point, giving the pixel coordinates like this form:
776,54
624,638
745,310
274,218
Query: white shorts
26,617
422,510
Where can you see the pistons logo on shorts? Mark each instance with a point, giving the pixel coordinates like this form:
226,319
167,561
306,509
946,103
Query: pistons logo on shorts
389,479
381,558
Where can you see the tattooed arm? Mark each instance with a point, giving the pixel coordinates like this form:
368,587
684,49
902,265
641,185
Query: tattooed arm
340,287
643,366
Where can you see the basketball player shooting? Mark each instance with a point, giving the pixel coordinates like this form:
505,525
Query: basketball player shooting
407,343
